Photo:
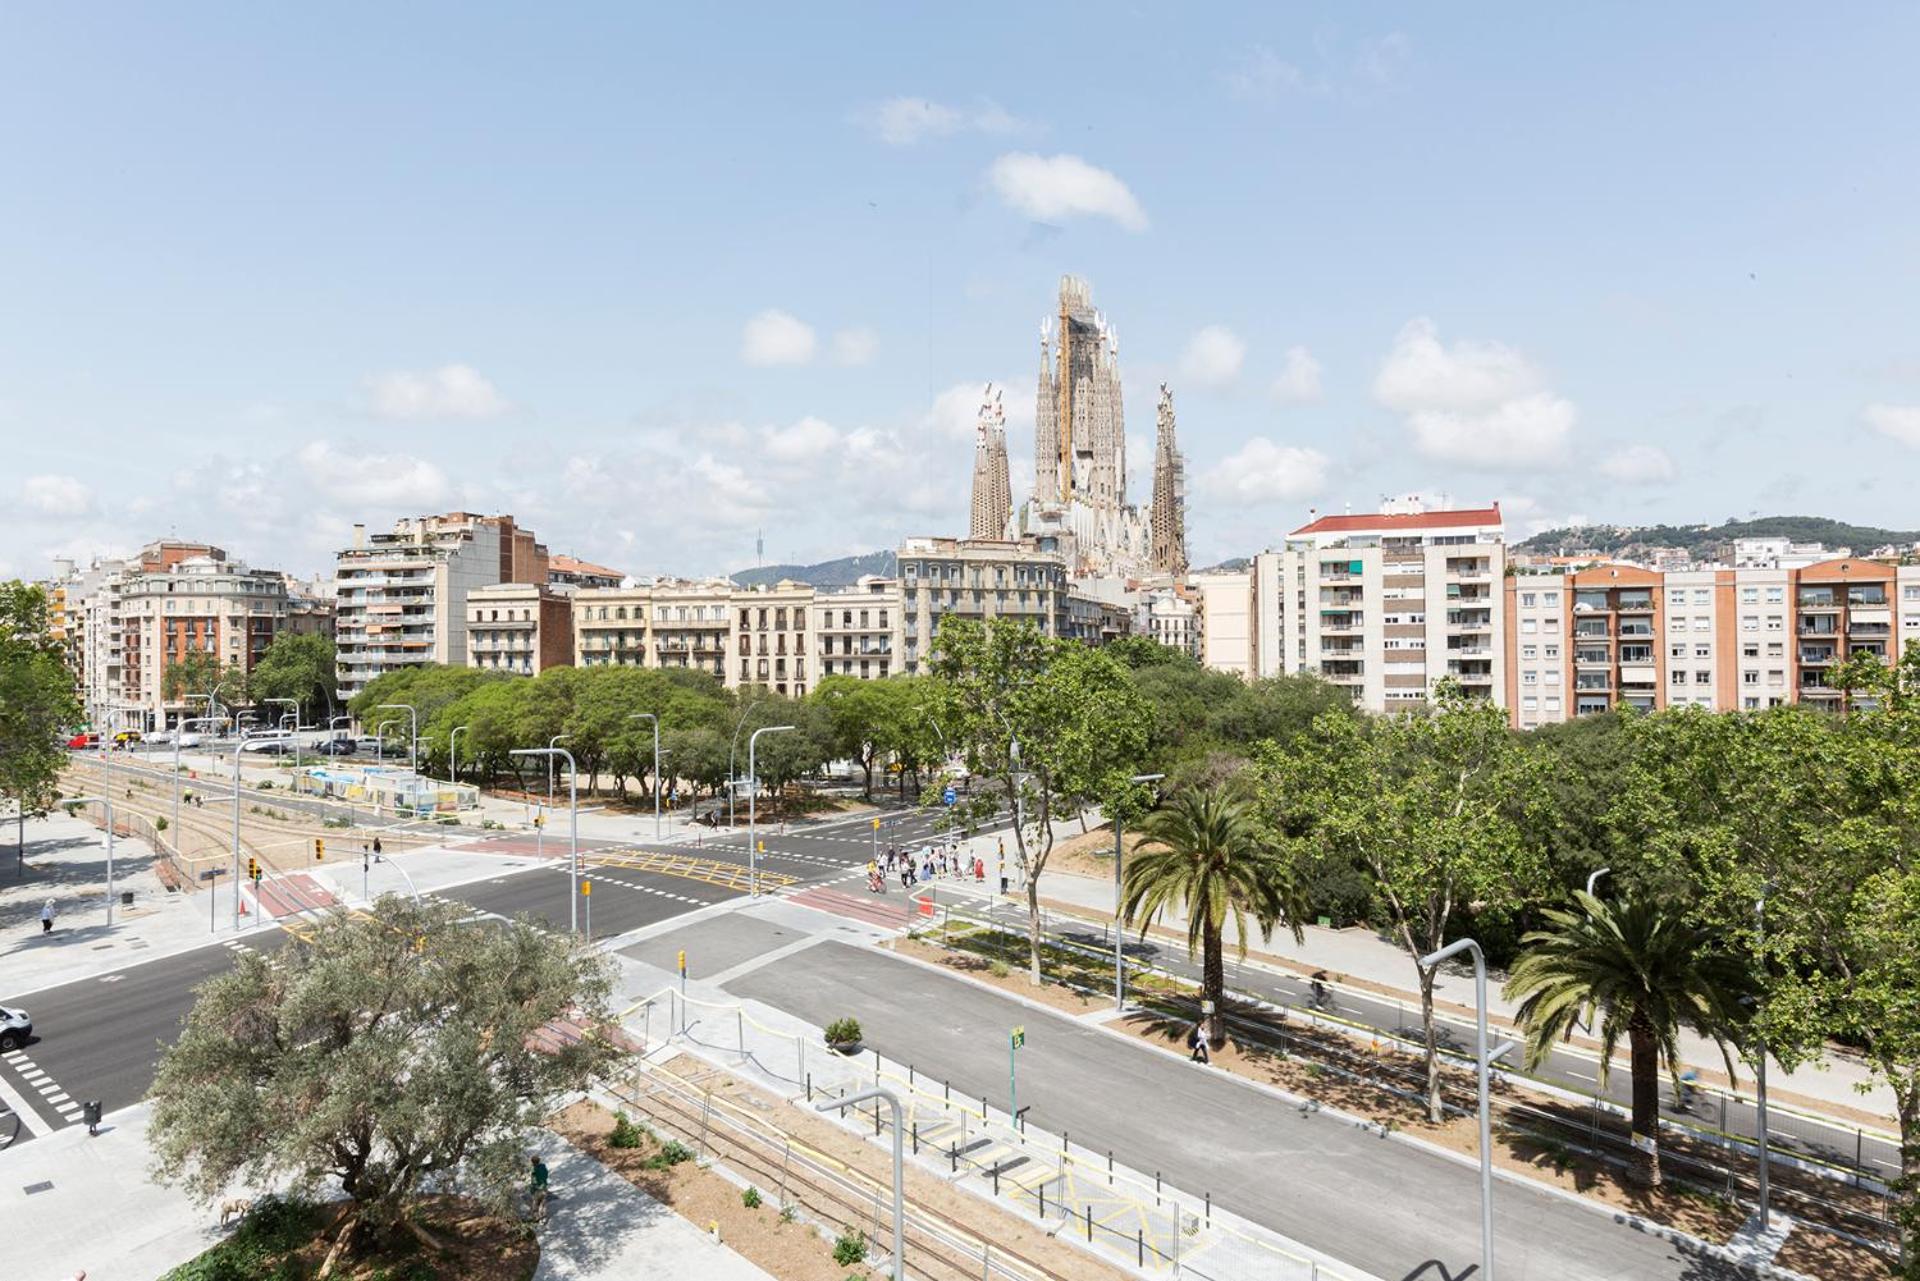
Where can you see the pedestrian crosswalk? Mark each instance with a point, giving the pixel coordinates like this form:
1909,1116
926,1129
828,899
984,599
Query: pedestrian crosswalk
45,1086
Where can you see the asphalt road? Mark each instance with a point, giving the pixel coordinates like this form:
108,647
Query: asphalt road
1568,1069
1388,1208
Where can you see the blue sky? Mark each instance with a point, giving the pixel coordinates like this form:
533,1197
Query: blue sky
655,278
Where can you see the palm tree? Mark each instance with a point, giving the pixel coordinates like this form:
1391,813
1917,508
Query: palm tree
1647,972
1203,855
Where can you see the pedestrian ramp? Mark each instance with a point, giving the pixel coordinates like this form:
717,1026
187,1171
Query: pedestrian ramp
689,867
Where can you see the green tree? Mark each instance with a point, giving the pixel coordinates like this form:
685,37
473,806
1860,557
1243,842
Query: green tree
1646,972
1428,804
1053,725
387,1052
37,703
1205,856
200,673
299,666
863,718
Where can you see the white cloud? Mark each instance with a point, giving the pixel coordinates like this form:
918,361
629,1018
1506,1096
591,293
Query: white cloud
58,496
1299,380
1422,374
1263,472
451,391
1528,434
1476,403
1213,356
902,122
1896,422
1639,465
372,480
855,346
956,411
775,337
1263,76
1057,188
808,441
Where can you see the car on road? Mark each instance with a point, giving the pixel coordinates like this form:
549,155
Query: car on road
189,740
80,742
268,746
335,747
16,1028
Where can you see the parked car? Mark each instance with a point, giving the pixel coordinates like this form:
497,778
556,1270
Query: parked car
81,742
268,746
16,1028
189,740
335,747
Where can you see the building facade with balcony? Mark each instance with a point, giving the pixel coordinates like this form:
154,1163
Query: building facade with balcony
204,604
1387,604
1225,602
742,636
523,628
980,579
856,629
400,598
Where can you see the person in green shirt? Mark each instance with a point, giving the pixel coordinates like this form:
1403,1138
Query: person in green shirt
539,1187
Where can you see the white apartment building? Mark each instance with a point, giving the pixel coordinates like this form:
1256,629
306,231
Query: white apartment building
401,596
1387,604
1170,617
744,636
1539,692
1226,619
857,629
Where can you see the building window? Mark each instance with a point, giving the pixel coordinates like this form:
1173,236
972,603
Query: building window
1750,677
1749,622
1703,677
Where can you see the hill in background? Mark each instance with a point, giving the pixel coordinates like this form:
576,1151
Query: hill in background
843,572
1713,542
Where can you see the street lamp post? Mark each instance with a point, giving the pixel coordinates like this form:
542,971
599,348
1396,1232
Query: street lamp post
1593,878
753,794
380,740
1119,900
1483,1064
899,1165
553,742
413,740
242,742
733,748
107,801
1760,1067
573,807
196,720
453,753
649,716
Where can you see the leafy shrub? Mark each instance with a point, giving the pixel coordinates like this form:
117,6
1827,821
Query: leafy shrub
789,1212
843,1031
160,824
850,1248
275,1226
999,969
671,1153
751,1198
625,1133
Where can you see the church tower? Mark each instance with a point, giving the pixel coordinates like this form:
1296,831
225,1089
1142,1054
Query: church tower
1168,517
992,491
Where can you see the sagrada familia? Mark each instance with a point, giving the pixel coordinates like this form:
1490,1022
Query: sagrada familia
1079,501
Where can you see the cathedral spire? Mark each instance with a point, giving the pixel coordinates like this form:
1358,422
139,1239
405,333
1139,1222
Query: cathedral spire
1168,517
992,491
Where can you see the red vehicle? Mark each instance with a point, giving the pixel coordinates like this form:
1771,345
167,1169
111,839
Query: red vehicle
80,742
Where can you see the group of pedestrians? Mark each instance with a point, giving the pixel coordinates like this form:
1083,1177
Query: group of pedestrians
932,862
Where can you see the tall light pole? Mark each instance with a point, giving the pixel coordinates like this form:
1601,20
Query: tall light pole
573,807
753,793
1760,1068
240,743
196,720
380,740
294,703
413,739
1483,1063
453,753
899,1165
1593,878
733,747
649,716
553,742
106,800
1119,900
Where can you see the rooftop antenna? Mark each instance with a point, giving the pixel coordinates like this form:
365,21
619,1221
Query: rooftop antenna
759,548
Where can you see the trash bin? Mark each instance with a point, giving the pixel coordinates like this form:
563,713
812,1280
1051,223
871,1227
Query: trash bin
126,898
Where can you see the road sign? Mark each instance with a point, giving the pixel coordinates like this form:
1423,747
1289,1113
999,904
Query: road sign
208,874
949,796
1019,1037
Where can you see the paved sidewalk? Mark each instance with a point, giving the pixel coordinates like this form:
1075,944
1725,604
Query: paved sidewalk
602,1228
1361,954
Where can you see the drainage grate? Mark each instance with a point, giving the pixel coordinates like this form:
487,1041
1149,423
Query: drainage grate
32,1188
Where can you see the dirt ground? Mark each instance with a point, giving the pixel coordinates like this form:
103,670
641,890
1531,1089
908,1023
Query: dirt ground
1014,980
790,1251
1816,1254
1091,853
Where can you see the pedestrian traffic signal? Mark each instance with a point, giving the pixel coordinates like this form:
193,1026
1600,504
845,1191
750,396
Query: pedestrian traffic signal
683,962
876,824
319,850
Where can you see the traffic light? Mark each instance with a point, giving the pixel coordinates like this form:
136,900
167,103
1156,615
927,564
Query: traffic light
253,869
1019,1037
319,850
586,887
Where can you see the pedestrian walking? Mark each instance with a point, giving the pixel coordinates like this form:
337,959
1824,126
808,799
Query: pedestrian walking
376,849
537,1185
46,918
1197,1042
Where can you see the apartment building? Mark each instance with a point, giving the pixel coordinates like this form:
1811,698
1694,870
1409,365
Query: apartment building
524,628
1386,604
1170,616
980,579
568,571
1225,600
174,606
744,636
857,629
401,596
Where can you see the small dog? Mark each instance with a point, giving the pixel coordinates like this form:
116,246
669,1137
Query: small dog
235,1208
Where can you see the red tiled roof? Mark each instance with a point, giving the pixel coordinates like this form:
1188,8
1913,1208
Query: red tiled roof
569,565
1471,517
